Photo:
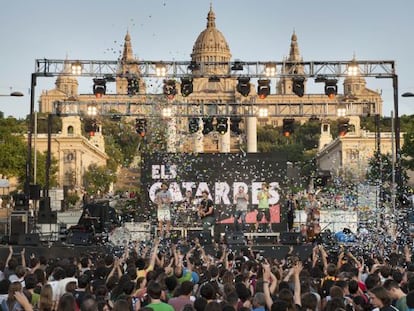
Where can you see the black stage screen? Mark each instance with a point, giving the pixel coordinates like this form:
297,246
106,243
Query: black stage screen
220,174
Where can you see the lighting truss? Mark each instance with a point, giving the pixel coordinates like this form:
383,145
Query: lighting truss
181,69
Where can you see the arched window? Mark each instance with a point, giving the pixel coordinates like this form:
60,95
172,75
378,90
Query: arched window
70,130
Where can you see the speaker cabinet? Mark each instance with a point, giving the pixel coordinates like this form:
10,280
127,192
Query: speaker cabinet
29,239
79,238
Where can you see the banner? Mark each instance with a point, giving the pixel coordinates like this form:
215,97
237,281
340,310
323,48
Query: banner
220,174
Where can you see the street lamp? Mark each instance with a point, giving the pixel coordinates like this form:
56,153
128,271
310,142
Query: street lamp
407,94
13,94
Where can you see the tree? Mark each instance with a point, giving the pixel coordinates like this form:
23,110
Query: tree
408,150
97,179
380,170
13,148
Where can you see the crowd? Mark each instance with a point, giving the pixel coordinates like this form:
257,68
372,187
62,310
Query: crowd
183,277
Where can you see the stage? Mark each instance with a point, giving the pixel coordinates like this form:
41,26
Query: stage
79,244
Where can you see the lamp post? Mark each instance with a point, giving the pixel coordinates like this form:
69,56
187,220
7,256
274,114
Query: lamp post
13,94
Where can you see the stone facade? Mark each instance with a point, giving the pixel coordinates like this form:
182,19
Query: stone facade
211,46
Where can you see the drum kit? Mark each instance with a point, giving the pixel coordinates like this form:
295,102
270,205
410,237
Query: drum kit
183,215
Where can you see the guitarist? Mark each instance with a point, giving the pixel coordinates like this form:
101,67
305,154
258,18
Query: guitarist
206,211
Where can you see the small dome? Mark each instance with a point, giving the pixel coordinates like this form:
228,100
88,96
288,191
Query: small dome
211,46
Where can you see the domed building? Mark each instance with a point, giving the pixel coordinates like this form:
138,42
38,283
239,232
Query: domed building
213,96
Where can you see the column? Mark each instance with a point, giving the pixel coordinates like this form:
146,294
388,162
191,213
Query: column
225,140
251,133
171,135
198,139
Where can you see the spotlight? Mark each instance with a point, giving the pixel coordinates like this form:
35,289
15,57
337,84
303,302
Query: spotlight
99,87
207,125
133,86
298,86
193,125
263,88
91,126
288,127
141,127
331,89
186,86
243,87
222,125
193,66
270,70
235,125
76,68
237,66
169,88
343,126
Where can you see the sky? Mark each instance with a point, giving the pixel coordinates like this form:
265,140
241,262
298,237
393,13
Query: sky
167,29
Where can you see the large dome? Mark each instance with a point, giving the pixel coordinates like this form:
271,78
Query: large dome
211,46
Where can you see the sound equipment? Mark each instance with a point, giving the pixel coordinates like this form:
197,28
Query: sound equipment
47,217
34,192
79,238
29,239
19,222
236,238
291,238
20,202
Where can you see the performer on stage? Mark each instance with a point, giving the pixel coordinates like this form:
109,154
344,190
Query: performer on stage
242,200
206,211
163,199
88,221
263,208
312,209
291,206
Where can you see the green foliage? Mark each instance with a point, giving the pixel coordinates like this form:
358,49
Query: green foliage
300,147
42,123
72,198
408,150
380,169
97,179
121,142
13,148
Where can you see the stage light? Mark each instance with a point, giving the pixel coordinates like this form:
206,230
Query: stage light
186,86
263,113
193,66
298,86
331,89
270,70
288,127
235,125
91,126
222,125
76,68
243,86
237,66
160,70
207,125
263,88
133,86
141,127
169,88
343,126
99,87
193,125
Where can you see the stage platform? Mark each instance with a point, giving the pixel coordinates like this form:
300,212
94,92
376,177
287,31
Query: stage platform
59,251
